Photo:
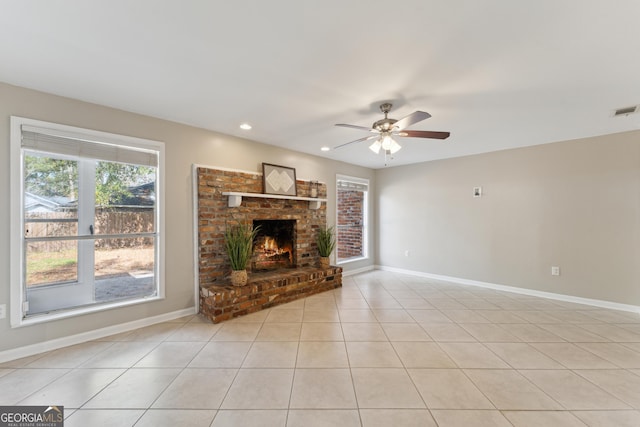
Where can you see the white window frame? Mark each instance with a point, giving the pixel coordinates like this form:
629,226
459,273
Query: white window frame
17,218
365,219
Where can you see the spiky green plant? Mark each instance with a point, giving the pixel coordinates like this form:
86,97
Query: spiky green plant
326,241
238,241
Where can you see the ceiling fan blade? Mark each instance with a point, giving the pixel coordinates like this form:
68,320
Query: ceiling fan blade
413,118
356,127
366,138
424,134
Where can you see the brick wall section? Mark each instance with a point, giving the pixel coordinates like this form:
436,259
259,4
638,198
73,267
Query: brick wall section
218,299
220,303
214,213
350,214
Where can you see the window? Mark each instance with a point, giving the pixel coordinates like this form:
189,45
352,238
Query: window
352,218
86,220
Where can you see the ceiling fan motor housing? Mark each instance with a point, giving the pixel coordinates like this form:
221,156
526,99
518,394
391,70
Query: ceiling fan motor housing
384,125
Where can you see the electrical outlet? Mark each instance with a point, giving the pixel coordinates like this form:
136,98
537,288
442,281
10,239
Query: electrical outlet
407,253
3,311
555,271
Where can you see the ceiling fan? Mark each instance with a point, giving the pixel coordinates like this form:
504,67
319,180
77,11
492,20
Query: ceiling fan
386,128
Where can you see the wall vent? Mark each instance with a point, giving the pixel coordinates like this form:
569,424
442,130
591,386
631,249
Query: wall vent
626,111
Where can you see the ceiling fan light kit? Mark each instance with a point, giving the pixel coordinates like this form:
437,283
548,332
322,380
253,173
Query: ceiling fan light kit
386,128
385,142
375,147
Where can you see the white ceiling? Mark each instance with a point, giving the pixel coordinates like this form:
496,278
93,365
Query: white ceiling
497,74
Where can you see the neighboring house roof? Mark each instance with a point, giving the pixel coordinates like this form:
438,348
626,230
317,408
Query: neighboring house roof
35,203
141,195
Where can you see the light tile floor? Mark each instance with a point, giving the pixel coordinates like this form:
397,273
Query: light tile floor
384,350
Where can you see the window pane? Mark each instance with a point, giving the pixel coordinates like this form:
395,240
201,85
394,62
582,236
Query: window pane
350,224
51,262
125,199
124,268
50,196
349,241
50,211
49,182
53,224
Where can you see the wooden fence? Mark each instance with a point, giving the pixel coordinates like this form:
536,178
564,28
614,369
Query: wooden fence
111,220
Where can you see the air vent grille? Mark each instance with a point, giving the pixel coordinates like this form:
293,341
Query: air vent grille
626,111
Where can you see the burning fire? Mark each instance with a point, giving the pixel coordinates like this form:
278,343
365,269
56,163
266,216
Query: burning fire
272,251
270,247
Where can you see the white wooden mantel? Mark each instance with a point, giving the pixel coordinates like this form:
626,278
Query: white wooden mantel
235,199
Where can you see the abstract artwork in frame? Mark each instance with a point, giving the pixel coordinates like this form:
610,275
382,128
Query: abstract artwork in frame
278,180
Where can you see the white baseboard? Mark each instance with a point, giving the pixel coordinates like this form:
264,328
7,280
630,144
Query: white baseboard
358,271
516,290
30,350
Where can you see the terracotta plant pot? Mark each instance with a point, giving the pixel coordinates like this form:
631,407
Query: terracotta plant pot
239,277
324,262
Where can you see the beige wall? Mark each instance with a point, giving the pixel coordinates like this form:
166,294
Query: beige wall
184,146
573,204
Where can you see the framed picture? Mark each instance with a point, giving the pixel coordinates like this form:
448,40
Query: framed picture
278,180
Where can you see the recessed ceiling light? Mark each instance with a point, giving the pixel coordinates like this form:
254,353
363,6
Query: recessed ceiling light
325,149
245,126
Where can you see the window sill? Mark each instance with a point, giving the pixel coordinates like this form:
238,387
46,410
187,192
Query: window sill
350,260
65,314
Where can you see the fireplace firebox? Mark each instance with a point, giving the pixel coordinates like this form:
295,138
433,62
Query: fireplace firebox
274,244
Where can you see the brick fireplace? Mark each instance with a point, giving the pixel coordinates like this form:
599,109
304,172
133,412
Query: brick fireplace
285,265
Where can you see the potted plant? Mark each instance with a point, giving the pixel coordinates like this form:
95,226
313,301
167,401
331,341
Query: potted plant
238,241
326,243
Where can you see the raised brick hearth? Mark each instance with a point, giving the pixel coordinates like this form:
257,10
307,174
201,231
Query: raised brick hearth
218,299
265,290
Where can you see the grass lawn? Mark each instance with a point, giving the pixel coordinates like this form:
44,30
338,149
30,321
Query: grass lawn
60,266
